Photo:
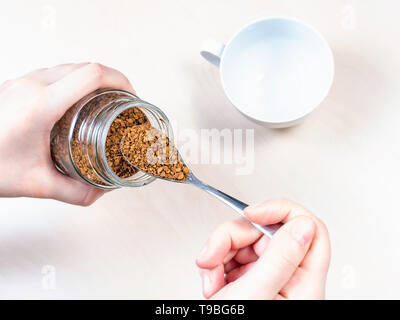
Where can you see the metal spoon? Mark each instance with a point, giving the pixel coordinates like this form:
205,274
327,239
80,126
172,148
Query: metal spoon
235,204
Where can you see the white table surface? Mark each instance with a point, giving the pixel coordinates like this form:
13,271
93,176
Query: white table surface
342,162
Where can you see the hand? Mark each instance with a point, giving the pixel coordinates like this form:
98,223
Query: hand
29,107
239,263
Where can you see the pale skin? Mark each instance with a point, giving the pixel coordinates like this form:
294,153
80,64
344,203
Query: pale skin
238,262
30,105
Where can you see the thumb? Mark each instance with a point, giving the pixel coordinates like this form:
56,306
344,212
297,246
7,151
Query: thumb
276,266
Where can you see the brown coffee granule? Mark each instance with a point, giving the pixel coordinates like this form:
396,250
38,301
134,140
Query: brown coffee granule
126,119
151,151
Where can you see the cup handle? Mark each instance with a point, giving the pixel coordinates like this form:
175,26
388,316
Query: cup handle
212,51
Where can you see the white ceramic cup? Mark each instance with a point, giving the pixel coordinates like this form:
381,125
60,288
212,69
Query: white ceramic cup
274,70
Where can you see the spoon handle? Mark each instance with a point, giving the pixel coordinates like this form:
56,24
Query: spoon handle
235,204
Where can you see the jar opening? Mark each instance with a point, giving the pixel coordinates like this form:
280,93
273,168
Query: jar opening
156,118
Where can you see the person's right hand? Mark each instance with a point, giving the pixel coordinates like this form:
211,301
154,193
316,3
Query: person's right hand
29,107
238,262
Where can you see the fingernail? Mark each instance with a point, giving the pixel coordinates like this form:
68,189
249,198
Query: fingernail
206,282
303,231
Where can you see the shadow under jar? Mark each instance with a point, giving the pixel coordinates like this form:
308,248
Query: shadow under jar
85,141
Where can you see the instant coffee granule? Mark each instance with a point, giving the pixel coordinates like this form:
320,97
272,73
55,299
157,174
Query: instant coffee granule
151,151
129,118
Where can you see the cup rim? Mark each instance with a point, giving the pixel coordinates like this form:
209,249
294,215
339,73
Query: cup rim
288,121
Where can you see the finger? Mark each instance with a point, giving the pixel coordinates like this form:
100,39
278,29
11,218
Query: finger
53,74
212,280
229,256
283,210
274,211
65,189
231,265
273,270
246,255
235,234
236,273
261,245
304,285
64,93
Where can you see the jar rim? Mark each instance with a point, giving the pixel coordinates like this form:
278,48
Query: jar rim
162,122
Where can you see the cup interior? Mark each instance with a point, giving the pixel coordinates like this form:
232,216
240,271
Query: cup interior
277,70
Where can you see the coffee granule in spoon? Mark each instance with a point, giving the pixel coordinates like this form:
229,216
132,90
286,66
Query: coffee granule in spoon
151,151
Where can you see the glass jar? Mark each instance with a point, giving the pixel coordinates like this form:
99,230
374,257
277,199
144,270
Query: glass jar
78,139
